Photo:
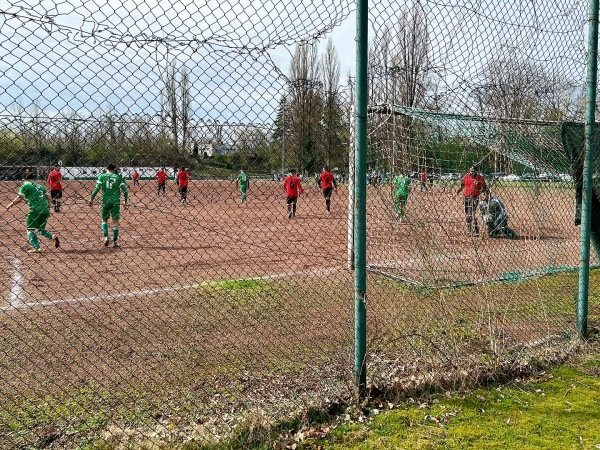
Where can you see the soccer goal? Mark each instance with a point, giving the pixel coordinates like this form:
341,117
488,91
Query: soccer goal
531,167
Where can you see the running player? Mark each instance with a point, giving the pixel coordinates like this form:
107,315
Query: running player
161,178
55,186
293,188
38,201
243,182
111,184
401,191
327,184
183,179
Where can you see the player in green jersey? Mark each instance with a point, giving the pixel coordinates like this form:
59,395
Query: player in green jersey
243,182
402,189
38,200
111,184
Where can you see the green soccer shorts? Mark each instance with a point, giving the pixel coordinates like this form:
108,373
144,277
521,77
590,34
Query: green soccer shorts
400,199
37,219
110,210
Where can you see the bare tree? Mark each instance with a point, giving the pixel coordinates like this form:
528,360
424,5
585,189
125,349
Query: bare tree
561,101
169,105
305,104
410,62
523,89
304,64
330,68
400,74
176,100
253,149
330,72
185,100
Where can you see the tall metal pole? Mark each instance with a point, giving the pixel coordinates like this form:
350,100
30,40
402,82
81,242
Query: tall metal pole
588,169
283,141
360,205
351,184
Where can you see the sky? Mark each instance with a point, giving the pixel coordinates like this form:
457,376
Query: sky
99,62
73,56
343,37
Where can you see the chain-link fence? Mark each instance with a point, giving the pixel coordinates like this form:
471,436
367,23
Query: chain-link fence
169,282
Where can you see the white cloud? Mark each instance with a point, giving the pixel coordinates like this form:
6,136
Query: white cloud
93,53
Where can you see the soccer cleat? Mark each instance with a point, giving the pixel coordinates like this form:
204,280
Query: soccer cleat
35,250
106,241
56,242
116,245
290,215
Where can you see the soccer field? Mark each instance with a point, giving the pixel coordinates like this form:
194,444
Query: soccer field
169,246
166,244
432,246
216,306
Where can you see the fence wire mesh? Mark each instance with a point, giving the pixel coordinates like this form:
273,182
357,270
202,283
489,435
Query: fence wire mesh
226,305
475,172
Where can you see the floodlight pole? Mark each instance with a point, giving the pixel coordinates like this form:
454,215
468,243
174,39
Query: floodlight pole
360,206
588,169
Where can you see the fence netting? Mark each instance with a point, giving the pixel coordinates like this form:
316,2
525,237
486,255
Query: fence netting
475,162
170,291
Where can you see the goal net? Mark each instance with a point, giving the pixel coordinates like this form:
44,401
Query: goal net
532,167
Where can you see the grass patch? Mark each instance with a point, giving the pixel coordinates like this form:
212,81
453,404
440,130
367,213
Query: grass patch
237,285
557,292
227,339
557,410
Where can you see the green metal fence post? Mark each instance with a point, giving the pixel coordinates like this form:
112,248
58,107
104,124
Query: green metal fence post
588,169
360,206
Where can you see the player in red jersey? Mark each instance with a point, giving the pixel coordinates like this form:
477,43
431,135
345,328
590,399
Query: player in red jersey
136,177
327,184
423,179
473,184
293,188
183,179
55,186
161,178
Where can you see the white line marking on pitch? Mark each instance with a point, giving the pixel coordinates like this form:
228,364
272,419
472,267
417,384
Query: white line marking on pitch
16,290
21,305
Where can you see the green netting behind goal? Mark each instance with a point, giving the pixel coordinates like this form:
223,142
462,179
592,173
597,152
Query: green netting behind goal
534,167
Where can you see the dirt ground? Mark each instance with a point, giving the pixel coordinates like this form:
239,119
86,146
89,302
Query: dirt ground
432,245
166,245
127,334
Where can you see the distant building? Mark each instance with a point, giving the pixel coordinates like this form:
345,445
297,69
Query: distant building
208,150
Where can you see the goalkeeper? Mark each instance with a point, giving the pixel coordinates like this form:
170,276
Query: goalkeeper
494,215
